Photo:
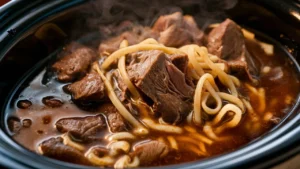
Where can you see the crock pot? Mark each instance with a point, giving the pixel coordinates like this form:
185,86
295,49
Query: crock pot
278,21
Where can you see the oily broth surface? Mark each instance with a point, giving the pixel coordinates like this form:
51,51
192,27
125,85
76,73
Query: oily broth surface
276,94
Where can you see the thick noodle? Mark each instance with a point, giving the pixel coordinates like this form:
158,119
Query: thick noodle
202,52
162,127
203,67
190,140
234,121
173,142
138,127
121,136
126,162
198,95
227,97
68,141
211,87
118,146
122,69
106,160
135,48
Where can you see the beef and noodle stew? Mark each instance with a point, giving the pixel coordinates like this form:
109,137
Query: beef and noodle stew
152,96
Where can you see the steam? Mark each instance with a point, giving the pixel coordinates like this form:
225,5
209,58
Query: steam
97,13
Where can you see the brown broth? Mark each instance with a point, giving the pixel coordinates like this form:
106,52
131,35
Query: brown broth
246,131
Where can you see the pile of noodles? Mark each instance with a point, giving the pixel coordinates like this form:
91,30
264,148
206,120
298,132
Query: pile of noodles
206,69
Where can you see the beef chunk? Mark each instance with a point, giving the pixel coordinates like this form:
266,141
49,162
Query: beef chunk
154,74
89,88
244,67
24,104
52,101
55,148
14,124
134,36
26,123
81,128
180,61
115,121
151,151
176,30
74,64
227,42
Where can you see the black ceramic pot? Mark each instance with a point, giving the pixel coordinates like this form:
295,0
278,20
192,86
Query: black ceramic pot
20,51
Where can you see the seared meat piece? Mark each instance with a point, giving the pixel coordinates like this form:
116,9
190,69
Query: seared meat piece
154,74
52,101
14,124
177,30
55,148
180,61
136,35
244,67
81,128
89,88
149,152
115,121
24,104
74,64
26,123
227,42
